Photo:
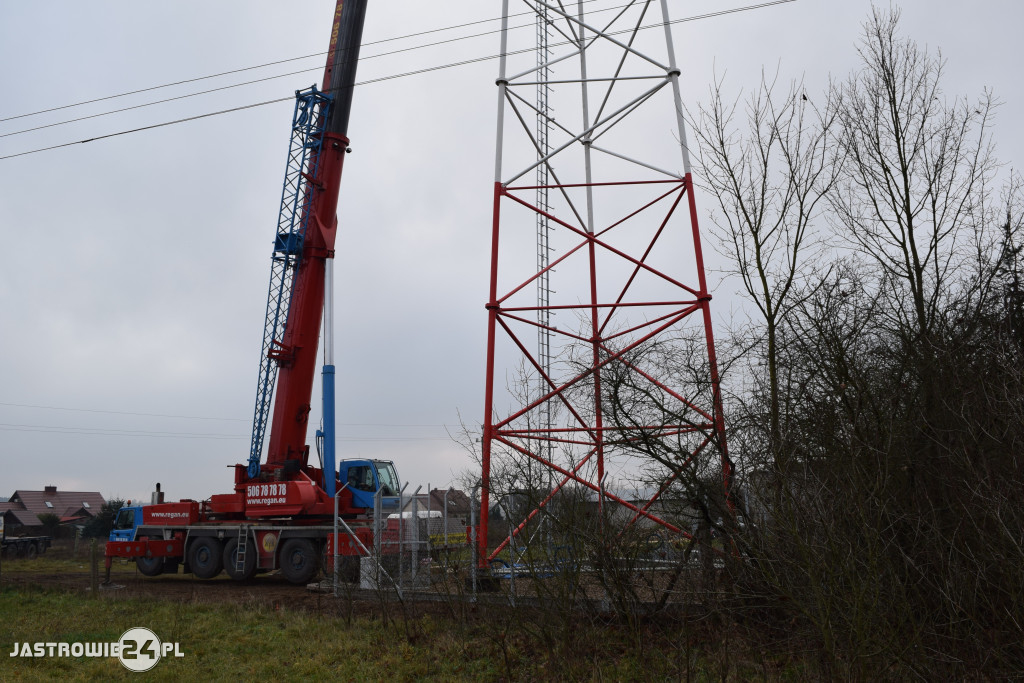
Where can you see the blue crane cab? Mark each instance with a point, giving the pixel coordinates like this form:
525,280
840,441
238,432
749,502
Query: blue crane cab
126,521
366,477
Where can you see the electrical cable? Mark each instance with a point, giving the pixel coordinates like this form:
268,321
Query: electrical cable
200,417
256,80
104,431
292,59
97,431
120,412
366,82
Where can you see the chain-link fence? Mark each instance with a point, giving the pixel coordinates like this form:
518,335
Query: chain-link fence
421,547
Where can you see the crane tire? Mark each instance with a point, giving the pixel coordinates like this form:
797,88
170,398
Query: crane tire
150,566
32,551
231,563
206,558
300,561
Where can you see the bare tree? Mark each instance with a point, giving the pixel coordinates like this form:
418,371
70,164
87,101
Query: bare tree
916,172
770,174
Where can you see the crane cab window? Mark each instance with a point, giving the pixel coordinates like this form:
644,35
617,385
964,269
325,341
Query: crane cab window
388,477
361,478
125,519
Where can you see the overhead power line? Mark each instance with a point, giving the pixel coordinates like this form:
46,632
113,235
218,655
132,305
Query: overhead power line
406,74
100,431
34,406
120,412
255,80
287,60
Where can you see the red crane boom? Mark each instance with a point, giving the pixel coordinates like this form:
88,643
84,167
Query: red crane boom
297,354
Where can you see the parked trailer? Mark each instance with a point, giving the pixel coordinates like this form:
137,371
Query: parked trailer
22,546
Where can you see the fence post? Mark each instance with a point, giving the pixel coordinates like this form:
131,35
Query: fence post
511,567
401,533
415,540
474,541
426,541
444,525
94,569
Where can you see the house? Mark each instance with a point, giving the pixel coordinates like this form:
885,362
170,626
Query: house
458,503
24,508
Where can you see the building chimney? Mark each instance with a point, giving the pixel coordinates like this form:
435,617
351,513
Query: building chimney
50,489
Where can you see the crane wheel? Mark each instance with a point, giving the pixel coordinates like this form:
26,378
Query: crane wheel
206,558
248,568
32,551
150,566
300,561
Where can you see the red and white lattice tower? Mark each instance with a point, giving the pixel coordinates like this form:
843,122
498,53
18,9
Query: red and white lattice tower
619,286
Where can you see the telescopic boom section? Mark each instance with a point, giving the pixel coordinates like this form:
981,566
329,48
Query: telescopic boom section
298,353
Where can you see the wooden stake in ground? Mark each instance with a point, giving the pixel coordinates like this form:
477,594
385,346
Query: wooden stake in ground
94,568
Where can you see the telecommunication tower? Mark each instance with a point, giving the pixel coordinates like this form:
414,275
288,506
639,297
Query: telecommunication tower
612,203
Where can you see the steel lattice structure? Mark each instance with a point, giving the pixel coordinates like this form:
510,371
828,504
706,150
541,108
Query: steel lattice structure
621,231
311,108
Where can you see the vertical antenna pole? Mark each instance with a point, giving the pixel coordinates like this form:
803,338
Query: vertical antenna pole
595,323
543,231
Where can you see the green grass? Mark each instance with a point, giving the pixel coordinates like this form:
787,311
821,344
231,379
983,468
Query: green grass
259,638
49,563
252,641
222,641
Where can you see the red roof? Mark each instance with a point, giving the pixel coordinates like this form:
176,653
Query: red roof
23,517
64,504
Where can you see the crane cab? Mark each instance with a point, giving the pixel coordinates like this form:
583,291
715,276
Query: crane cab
126,522
366,477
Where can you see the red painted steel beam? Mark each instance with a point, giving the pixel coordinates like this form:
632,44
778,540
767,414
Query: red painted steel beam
488,426
575,380
592,486
498,315
716,388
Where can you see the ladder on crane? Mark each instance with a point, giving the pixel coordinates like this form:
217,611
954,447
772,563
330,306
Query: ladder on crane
241,549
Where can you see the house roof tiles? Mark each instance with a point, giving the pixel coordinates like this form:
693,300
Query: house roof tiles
68,505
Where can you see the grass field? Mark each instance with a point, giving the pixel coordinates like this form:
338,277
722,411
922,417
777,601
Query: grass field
240,634
221,641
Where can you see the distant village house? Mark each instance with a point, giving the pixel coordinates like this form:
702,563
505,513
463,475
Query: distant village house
23,510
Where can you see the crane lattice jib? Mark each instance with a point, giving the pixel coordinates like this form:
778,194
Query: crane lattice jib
311,111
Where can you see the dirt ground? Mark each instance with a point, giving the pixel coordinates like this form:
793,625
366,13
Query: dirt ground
62,569
272,591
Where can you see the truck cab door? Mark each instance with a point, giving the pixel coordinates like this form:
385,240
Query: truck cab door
362,484
387,481
125,524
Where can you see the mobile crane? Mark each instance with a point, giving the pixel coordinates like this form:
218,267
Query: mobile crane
278,516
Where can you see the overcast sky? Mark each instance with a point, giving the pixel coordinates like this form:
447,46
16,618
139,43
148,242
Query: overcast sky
135,267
